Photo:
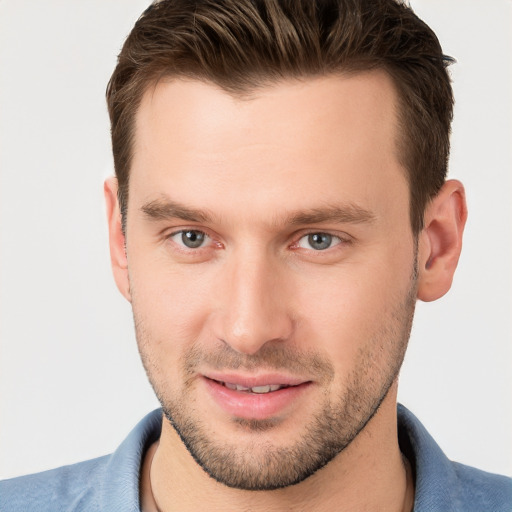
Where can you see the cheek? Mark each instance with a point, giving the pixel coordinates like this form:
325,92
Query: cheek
172,303
355,307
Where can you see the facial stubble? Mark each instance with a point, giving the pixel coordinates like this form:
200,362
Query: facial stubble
259,464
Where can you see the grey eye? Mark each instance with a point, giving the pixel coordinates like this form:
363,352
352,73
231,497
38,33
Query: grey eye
318,241
190,238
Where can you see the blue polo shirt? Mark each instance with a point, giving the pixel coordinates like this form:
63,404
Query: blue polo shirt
111,483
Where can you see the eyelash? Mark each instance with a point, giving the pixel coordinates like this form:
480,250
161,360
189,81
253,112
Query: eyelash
183,247
334,241
340,240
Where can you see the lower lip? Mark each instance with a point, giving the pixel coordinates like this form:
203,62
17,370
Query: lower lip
254,406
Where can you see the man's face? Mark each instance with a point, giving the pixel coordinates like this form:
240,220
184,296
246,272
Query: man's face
271,268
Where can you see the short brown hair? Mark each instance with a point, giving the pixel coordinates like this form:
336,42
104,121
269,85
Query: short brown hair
241,45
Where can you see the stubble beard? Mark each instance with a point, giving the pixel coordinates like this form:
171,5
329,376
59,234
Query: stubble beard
259,464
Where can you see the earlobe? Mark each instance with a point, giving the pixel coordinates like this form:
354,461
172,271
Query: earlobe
440,241
118,256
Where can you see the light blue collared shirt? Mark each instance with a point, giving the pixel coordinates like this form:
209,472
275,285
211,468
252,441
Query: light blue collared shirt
111,483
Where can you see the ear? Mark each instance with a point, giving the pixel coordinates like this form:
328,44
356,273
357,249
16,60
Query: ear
440,241
118,257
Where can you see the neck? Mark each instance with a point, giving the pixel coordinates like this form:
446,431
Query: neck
370,474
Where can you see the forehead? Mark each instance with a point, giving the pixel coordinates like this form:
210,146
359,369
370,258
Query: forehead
329,137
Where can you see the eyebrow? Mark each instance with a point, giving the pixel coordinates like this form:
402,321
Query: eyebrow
166,209
342,214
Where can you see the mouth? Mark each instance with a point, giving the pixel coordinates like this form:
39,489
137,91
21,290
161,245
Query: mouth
258,390
261,397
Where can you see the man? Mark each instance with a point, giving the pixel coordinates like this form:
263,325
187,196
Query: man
279,205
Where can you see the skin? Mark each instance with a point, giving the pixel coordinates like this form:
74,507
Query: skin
250,170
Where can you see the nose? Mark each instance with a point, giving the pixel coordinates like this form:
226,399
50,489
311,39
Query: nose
253,307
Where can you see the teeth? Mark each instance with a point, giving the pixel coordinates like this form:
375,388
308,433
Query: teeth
256,389
261,389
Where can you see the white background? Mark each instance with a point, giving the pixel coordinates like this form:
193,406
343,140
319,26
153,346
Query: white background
71,385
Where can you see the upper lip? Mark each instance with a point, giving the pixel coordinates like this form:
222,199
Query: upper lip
262,379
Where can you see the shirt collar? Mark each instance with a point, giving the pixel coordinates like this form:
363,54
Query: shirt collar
435,477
